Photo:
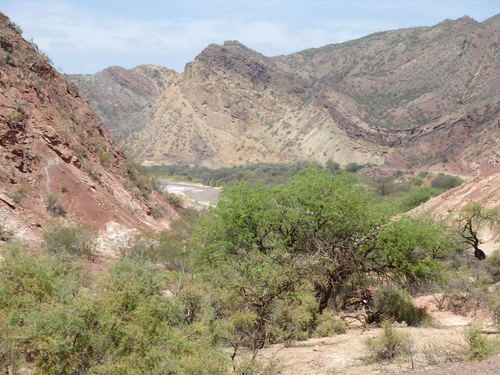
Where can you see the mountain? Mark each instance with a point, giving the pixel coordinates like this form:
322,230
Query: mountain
418,98
56,156
121,97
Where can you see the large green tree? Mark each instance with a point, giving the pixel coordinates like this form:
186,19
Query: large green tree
260,245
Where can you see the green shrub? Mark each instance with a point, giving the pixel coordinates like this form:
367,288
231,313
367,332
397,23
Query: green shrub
390,344
54,322
249,366
292,320
354,167
478,346
418,196
445,181
393,303
328,324
18,195
418,181
174,199
77,240
105,157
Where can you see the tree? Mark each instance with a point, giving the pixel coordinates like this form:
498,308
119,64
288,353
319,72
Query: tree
472,218
261,245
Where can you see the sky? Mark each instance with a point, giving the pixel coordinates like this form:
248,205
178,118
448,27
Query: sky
85,36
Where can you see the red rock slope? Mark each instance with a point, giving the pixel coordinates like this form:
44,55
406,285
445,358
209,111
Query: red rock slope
54,149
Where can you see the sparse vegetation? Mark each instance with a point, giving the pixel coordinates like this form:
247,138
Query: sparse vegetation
5,234
139,178
76,240
173,199
18,195
390,344
478,346
472,218
328,324
105,157
445,181
55,208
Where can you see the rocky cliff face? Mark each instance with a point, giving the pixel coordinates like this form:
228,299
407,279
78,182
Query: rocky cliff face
423,97
56,157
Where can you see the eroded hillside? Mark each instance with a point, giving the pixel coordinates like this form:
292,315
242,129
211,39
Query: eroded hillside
56,157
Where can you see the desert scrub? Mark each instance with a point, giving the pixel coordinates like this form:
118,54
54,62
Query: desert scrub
248,366
5,234
76,240
54,208
328,324
157,211
105,157
478,346
18,195
444,181
173,199
394,303
390,344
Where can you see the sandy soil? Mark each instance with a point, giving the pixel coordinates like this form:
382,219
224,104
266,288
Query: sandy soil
347,354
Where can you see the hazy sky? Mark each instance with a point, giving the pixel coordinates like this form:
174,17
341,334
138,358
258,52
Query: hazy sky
84,36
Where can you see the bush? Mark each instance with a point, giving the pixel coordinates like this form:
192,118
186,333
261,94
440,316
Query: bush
479,347
393,303
445,181
418,181
54,322
158,211
418,196
390,344
5,234
54,208
77,240
173,199
105,157
492,265
354,167
328,324
18,195
249,366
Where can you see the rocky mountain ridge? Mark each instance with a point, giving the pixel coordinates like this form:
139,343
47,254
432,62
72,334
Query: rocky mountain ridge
121,97
424,97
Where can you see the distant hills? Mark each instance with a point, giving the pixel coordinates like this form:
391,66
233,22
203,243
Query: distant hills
417,98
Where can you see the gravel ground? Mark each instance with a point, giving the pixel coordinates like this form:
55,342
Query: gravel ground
490,366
